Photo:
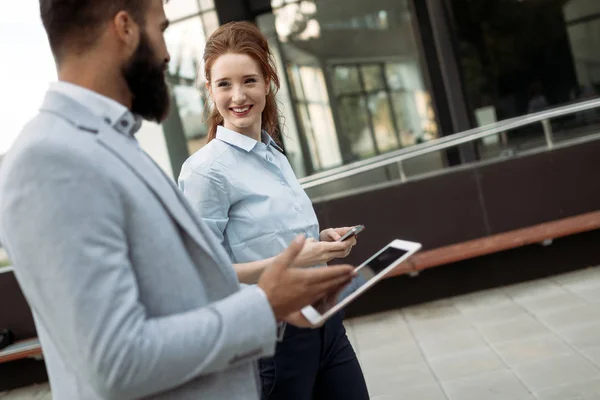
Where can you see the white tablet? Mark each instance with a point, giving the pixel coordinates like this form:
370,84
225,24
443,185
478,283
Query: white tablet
369,273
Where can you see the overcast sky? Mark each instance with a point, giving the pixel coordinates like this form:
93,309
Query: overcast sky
27,67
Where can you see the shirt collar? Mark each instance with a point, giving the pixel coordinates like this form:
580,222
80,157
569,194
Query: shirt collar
242,141
113,113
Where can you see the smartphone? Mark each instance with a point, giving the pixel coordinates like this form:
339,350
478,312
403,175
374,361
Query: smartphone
352,232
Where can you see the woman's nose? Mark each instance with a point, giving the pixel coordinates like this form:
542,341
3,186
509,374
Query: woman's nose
239,96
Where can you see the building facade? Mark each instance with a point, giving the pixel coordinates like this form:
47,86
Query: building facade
365,78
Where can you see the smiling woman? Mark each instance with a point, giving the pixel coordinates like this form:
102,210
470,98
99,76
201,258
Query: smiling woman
243,187
29,70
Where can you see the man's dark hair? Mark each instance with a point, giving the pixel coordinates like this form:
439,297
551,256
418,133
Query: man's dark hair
76,24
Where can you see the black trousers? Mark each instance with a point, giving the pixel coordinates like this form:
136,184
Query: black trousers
313,364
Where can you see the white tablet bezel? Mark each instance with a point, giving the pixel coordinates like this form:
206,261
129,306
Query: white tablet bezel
316,318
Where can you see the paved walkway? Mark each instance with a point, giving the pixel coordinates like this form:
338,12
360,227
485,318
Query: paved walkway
536,340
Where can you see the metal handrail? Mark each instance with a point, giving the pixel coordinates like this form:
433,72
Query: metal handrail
8,268
448,142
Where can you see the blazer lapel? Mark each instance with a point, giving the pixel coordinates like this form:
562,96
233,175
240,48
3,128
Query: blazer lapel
141,164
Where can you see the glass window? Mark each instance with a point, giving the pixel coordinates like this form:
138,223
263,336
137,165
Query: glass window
385,133
186,40
395,76
325,139
309,93
403,104
296,81
507,76
279,3
317,119
309,133
178,9
346,80
373,77
355,123
206,4
369,87
190,105
211,22
313,84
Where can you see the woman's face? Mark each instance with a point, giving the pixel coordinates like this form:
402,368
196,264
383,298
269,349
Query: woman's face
239,90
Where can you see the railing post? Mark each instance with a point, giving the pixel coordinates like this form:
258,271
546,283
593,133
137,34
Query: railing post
548,133
401,171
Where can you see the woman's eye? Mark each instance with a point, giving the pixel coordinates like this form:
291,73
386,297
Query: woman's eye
251,80
222,84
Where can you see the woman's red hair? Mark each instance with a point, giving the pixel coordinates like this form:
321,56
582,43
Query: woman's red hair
244,38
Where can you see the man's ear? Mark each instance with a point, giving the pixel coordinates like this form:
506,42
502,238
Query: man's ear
127,30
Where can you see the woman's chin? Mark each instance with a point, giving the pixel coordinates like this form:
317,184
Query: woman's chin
242,123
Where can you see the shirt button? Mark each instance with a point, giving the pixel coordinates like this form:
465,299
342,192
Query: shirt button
283,183
296,208
269,158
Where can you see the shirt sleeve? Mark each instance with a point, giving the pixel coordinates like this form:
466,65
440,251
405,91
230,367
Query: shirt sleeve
209,199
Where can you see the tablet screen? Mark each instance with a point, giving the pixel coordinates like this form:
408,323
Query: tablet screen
372,268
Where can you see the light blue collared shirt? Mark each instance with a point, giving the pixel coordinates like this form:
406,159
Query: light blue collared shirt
248,194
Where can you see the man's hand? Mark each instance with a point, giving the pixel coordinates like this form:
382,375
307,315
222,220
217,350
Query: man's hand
330,300
298,319
289,289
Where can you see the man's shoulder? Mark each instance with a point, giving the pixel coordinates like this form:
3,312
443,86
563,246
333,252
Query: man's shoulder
46,143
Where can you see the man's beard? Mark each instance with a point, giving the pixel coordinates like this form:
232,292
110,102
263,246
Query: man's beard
146,80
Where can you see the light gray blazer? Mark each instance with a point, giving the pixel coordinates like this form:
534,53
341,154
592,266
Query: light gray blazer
133,297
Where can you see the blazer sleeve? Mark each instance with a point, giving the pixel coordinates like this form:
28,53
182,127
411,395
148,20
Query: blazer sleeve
63,224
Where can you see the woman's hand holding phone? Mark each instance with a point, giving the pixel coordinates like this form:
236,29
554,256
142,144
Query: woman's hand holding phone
340,234
318,253
344,235
329,247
